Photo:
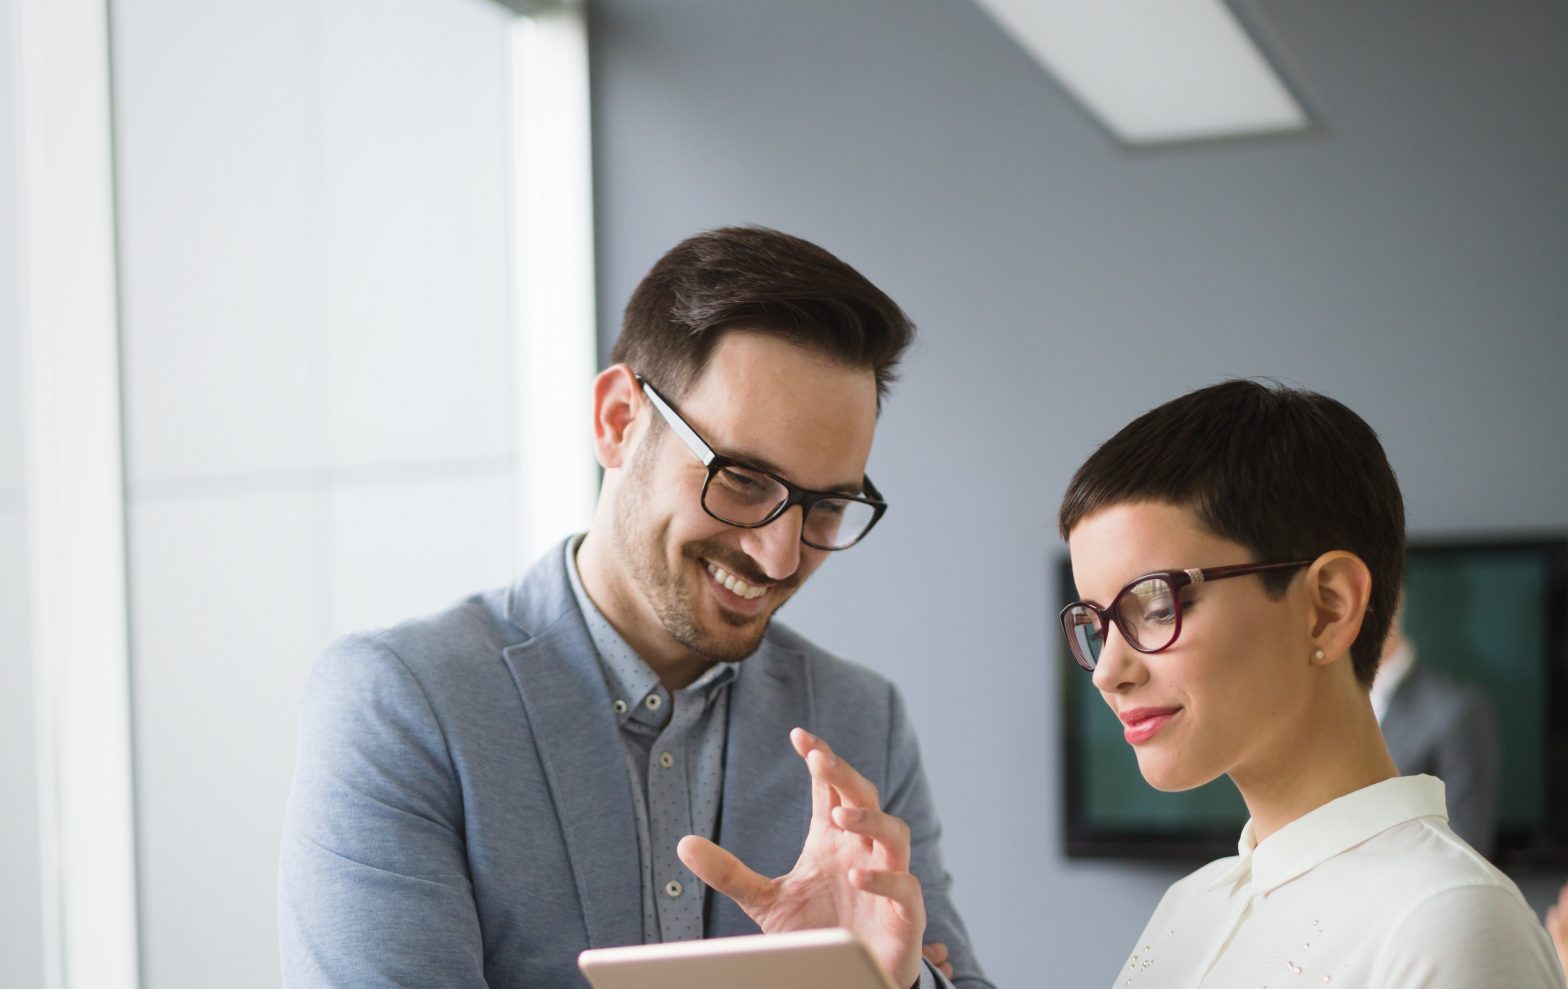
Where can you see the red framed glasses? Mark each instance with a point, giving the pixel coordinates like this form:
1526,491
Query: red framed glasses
1147,610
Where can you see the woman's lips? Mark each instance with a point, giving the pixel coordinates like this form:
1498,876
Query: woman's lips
1143,723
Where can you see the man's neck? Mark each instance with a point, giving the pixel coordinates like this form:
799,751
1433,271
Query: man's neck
611,590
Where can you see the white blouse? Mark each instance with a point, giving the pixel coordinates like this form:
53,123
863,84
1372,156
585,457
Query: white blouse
1370,890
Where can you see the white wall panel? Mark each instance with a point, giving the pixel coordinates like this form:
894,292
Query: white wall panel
214,107
318,366
21,895
10,306
21,930
71,388
408,548
415,230
225,628
21,921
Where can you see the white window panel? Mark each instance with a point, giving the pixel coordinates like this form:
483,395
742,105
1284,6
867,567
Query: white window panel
322,356
76,581
10,263
553,283
21,920
213,160
398,549
225,628
417,367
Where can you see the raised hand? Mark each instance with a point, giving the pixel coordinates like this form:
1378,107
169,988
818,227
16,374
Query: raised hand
853,871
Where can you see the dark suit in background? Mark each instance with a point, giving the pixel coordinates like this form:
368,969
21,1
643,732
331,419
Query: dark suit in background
1436,725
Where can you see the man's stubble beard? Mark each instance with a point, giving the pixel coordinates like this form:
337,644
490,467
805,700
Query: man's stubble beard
639,542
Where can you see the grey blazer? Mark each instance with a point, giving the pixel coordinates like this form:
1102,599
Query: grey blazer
461,814
1437,726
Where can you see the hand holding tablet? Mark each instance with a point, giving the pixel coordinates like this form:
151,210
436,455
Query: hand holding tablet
853,871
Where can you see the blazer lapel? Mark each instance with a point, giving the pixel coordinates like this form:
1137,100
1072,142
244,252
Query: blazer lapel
568,706
767,791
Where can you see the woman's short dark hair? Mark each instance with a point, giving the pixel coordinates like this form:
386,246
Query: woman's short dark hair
1289,474
760,280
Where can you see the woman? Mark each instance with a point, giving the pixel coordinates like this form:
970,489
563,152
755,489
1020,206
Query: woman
1240,551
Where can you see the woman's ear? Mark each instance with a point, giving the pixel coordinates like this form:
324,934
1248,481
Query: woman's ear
1338,588
617,403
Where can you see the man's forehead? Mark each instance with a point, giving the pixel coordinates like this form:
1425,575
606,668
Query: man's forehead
787,410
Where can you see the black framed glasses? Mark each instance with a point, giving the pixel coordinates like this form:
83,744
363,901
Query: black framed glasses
739,494
1147,610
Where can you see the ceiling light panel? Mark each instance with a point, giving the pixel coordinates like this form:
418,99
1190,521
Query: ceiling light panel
1155,71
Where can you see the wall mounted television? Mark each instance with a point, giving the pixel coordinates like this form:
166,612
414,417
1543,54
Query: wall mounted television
1487,611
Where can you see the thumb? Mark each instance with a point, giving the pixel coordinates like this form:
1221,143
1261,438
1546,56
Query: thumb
726,873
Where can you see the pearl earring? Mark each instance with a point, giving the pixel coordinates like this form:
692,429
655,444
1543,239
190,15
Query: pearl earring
1317,654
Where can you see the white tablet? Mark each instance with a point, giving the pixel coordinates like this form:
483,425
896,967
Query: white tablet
825,959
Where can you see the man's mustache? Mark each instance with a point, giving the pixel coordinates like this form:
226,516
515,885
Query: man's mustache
740,565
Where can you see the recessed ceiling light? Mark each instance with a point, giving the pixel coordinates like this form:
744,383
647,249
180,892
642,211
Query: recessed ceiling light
1155,73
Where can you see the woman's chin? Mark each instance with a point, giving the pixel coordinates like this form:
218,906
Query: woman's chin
1168,778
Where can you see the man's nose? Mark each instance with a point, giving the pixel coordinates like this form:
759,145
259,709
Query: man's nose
776,546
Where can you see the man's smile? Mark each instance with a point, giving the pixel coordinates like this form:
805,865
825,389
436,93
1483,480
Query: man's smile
733,583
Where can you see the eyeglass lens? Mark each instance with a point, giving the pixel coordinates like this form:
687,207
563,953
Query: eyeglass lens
1145,612
746,497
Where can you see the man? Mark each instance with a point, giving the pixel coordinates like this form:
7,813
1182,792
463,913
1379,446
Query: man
483,793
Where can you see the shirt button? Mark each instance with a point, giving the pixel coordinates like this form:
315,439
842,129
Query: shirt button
666,760
653,702
619,706
673,888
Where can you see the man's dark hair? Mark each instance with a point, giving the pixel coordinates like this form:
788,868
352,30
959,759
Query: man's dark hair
1289,474
761,280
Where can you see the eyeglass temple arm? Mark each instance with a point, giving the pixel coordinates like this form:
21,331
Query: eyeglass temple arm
1240,569
686,433
871,491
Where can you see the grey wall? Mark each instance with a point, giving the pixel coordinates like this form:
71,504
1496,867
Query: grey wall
1407,259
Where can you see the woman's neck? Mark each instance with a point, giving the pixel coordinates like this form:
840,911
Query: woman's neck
1337,748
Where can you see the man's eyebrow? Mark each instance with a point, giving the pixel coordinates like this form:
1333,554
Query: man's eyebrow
744,458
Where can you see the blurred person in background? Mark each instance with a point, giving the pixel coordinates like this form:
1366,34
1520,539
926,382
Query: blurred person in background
1438,726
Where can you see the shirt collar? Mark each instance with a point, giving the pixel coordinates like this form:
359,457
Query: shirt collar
1339,825
630,679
